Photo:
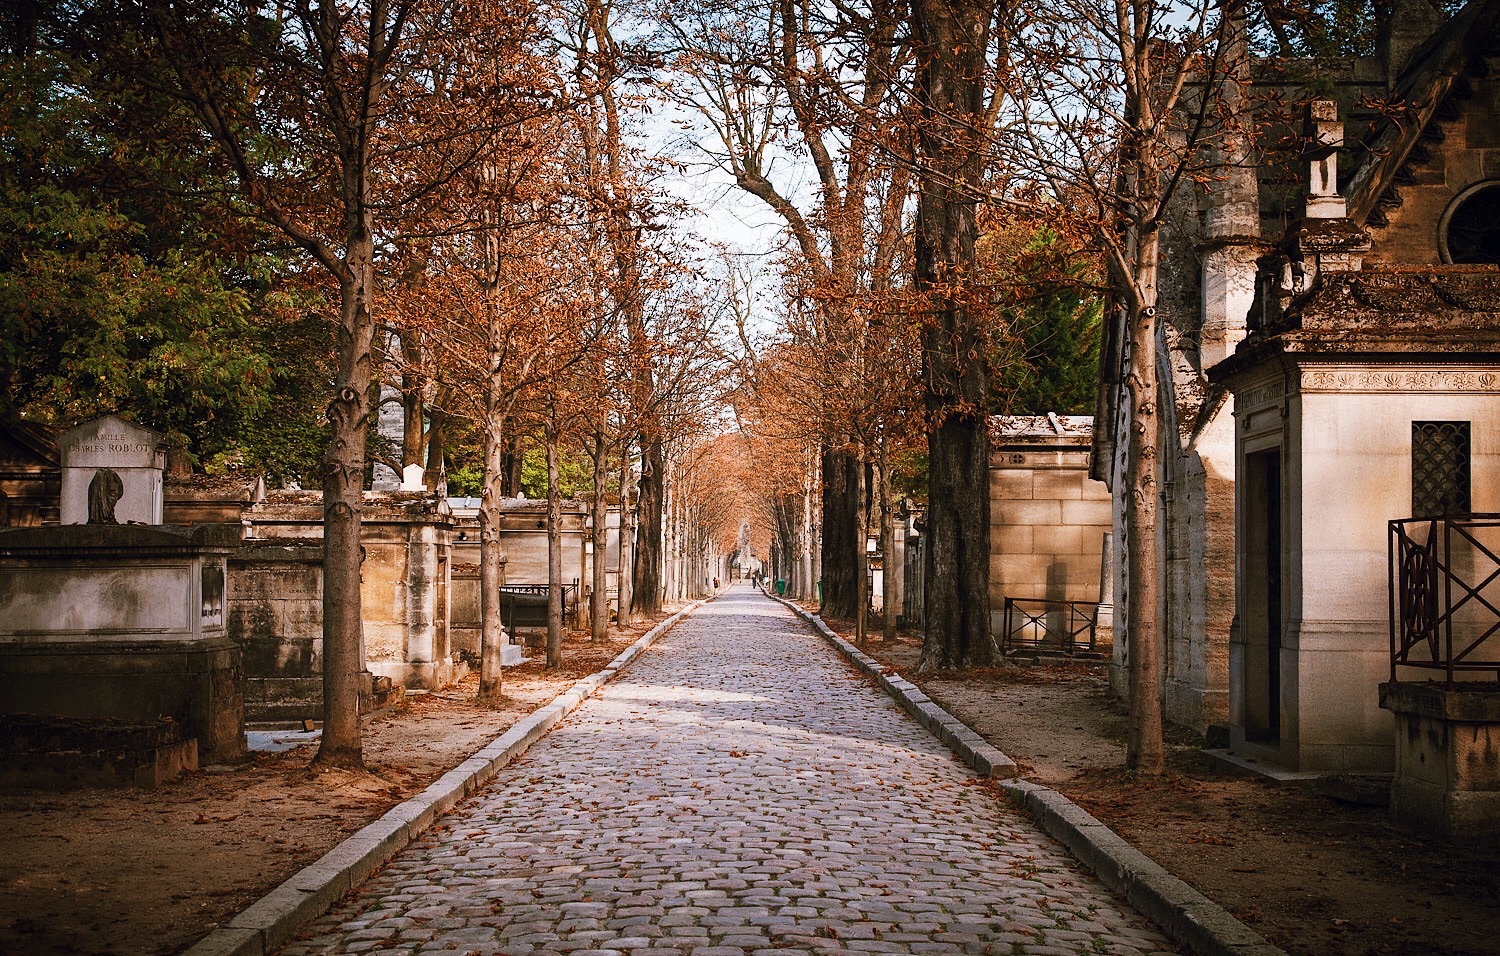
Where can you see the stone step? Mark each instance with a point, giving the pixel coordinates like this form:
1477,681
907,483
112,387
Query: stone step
65,753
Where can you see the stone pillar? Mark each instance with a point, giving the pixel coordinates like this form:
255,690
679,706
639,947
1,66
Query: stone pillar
1407,27
1447,759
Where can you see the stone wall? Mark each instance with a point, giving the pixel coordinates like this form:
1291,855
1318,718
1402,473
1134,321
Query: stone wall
30,476
1468,154
406,538
275,614
209,499
1447,779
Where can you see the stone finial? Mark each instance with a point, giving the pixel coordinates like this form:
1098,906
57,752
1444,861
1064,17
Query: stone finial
1325,134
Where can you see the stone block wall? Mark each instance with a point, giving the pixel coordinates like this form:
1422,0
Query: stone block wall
275,614
122,622
1468,155
1447,779
406,538
1048,519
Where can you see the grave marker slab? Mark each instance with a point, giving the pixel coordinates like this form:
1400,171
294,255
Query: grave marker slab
112,473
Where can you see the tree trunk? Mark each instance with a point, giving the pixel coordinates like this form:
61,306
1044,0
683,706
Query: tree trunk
861,556
625,581
434,475
554,550
599,536
668,551
952,50
343,491
648,537
785,541
1144,749
510,467
888,582
492,636
413,403
840,533
811,565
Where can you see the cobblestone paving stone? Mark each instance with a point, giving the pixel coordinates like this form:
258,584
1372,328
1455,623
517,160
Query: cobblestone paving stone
739,791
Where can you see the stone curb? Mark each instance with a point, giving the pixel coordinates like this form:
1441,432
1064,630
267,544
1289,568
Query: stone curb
272,920
1183,913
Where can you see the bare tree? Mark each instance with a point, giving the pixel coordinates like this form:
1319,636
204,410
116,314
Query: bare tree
1114,108
818,85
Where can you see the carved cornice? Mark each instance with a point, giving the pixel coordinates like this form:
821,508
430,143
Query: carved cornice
1399,380
1427,301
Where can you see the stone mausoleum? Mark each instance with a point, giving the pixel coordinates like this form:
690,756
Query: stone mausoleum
1333,326
1049,525
117,625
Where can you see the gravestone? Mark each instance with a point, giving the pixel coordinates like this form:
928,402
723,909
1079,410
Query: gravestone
112,473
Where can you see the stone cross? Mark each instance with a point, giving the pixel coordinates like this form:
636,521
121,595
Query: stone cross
1326,135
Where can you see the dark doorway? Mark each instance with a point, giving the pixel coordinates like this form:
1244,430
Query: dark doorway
1262,613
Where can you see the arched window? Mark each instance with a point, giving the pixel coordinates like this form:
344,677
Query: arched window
1470,229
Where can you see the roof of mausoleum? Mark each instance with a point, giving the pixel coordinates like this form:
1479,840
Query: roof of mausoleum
1424,94
29,443
1429,313
1011,432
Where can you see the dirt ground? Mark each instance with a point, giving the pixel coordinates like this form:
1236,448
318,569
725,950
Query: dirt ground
95,872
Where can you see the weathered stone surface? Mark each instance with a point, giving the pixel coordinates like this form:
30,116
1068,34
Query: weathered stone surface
1447,779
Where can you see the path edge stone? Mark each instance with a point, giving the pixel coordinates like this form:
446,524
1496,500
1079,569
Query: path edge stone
268,923
1183,913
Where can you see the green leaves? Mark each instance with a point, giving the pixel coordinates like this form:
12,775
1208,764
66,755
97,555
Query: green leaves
120,292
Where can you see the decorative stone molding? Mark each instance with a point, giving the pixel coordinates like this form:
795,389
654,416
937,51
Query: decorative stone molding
1399,380
1435,299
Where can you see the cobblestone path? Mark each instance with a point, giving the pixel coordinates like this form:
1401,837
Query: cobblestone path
738,791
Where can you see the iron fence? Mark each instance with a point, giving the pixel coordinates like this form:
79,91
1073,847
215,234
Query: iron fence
1066,627
1444,594
525,605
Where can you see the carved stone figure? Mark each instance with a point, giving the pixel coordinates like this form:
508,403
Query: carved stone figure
105,491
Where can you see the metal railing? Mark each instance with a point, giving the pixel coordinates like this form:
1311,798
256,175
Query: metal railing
1066,627
1444,594
525,605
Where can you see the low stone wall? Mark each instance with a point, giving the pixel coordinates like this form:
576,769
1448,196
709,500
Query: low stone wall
405,588
64,753
275,615
464,619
